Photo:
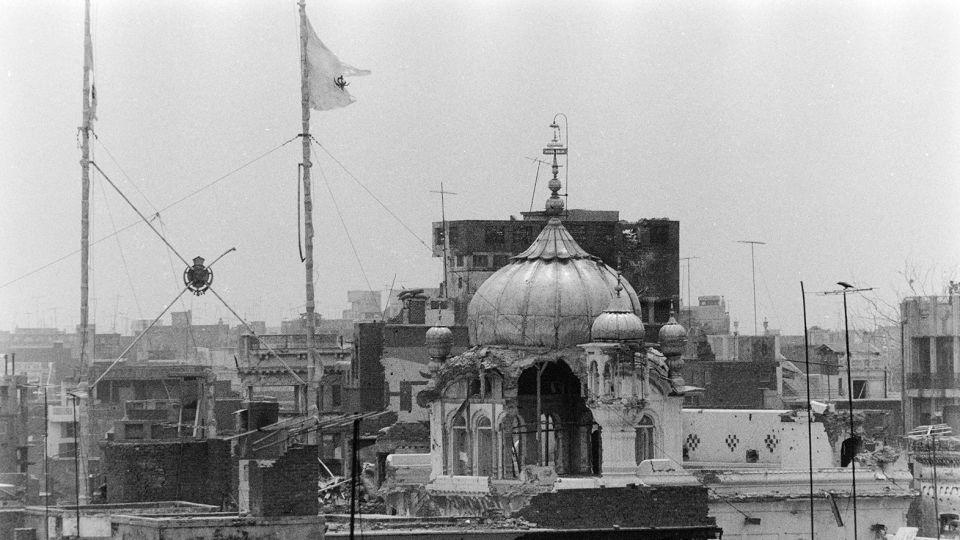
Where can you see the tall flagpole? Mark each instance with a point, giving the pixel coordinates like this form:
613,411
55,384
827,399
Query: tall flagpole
89,111
85,188
314,375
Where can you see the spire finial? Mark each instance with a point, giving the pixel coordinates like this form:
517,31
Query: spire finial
555,205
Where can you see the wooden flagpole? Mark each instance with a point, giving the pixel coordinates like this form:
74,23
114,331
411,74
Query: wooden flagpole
314,375
85,188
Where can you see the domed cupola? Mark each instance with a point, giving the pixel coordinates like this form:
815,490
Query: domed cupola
439,342
618,322
673,337
547,296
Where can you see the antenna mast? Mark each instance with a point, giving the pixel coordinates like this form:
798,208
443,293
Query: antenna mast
753,264
446,232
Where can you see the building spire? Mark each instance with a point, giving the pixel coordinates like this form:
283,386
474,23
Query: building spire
555,204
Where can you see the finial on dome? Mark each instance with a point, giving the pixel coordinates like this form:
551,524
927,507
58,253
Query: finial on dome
554,205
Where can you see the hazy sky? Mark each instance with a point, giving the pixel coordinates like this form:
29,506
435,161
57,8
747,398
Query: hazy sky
828,130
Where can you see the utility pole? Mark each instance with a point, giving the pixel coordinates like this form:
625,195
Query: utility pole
847,288
753,264
446,233
806,360
689,298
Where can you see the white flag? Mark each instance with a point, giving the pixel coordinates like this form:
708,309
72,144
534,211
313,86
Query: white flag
325,75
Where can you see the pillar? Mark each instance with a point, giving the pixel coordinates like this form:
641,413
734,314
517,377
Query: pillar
933,355
618,442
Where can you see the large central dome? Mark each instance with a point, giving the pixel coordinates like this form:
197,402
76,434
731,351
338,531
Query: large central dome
548,296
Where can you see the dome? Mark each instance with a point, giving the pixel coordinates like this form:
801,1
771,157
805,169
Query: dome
672,336
439,341
547,296
618,322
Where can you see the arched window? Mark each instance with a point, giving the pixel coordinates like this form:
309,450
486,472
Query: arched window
460,446
645,441
484,450
594,379
518,449
607,379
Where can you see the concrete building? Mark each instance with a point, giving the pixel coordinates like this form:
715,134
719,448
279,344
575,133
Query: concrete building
15,398
931,341
277,366
708,317
364,306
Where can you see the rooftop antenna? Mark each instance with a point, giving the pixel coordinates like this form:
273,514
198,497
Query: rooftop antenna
446,233
753,264
536,178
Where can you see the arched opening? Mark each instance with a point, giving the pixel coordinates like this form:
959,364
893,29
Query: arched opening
484,451
608,381
460,446
558,423
596,450
645,443
548,441
594,379
516,448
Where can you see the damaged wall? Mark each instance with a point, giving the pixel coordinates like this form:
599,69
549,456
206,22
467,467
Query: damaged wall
640,506
184,470
283,487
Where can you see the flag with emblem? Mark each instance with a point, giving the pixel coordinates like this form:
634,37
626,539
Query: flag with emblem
326,75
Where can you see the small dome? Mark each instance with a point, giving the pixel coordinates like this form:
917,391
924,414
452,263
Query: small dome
548,296
439,341
618,322
673,336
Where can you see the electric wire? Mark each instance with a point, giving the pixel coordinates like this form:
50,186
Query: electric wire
346,231
254,334
123,257
139,213
124,173
163,209
365,188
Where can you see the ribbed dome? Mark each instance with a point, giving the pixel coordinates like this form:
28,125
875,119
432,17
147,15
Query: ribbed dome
548,296
618,322
672,336
439,341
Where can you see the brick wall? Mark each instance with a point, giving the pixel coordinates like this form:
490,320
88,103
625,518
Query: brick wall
10,519
717,378
195,471
625,507
287,486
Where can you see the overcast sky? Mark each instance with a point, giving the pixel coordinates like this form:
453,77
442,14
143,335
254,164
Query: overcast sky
828,130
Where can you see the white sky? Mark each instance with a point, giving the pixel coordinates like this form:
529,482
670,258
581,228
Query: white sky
828,130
